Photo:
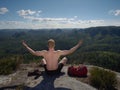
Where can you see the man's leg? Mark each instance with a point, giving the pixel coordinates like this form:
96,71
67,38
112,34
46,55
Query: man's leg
43,61
63,61
61,64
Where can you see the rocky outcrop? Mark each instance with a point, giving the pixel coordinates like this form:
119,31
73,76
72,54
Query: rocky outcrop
59,82
42,81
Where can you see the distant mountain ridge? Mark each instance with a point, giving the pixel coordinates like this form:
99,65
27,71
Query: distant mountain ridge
101,45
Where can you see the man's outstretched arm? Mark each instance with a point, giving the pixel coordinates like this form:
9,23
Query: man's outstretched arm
66,52
36,53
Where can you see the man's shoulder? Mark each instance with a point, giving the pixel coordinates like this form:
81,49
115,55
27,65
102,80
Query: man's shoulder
58,50
42,51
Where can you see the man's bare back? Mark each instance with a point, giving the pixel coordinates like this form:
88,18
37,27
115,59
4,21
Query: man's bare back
51,57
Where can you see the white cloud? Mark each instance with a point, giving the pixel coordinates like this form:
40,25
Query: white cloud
35,21
38,13
16,25
35,16
115,12
28,12
54,23
3,10
75,17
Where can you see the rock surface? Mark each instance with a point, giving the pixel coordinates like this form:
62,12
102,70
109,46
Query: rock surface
41,82
61,82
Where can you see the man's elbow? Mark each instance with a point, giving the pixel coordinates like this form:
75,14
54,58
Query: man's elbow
69,52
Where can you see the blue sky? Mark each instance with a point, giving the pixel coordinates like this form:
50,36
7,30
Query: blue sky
37,14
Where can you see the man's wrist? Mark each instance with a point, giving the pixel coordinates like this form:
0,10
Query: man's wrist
26,46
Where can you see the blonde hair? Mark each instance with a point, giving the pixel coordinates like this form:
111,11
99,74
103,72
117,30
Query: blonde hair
51,43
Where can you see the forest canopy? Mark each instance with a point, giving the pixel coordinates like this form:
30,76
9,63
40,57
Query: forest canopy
101,45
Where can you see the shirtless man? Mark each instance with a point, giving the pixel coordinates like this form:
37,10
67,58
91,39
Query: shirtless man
51,57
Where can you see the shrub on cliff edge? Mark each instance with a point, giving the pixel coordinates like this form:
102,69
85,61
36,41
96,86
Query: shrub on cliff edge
103,79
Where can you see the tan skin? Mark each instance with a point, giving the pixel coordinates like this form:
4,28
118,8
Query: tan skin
51,56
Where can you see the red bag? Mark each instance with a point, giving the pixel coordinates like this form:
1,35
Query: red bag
80,71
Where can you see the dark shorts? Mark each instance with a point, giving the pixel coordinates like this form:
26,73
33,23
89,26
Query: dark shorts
54,72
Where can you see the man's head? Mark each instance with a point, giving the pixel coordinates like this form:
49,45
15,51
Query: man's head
51,43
